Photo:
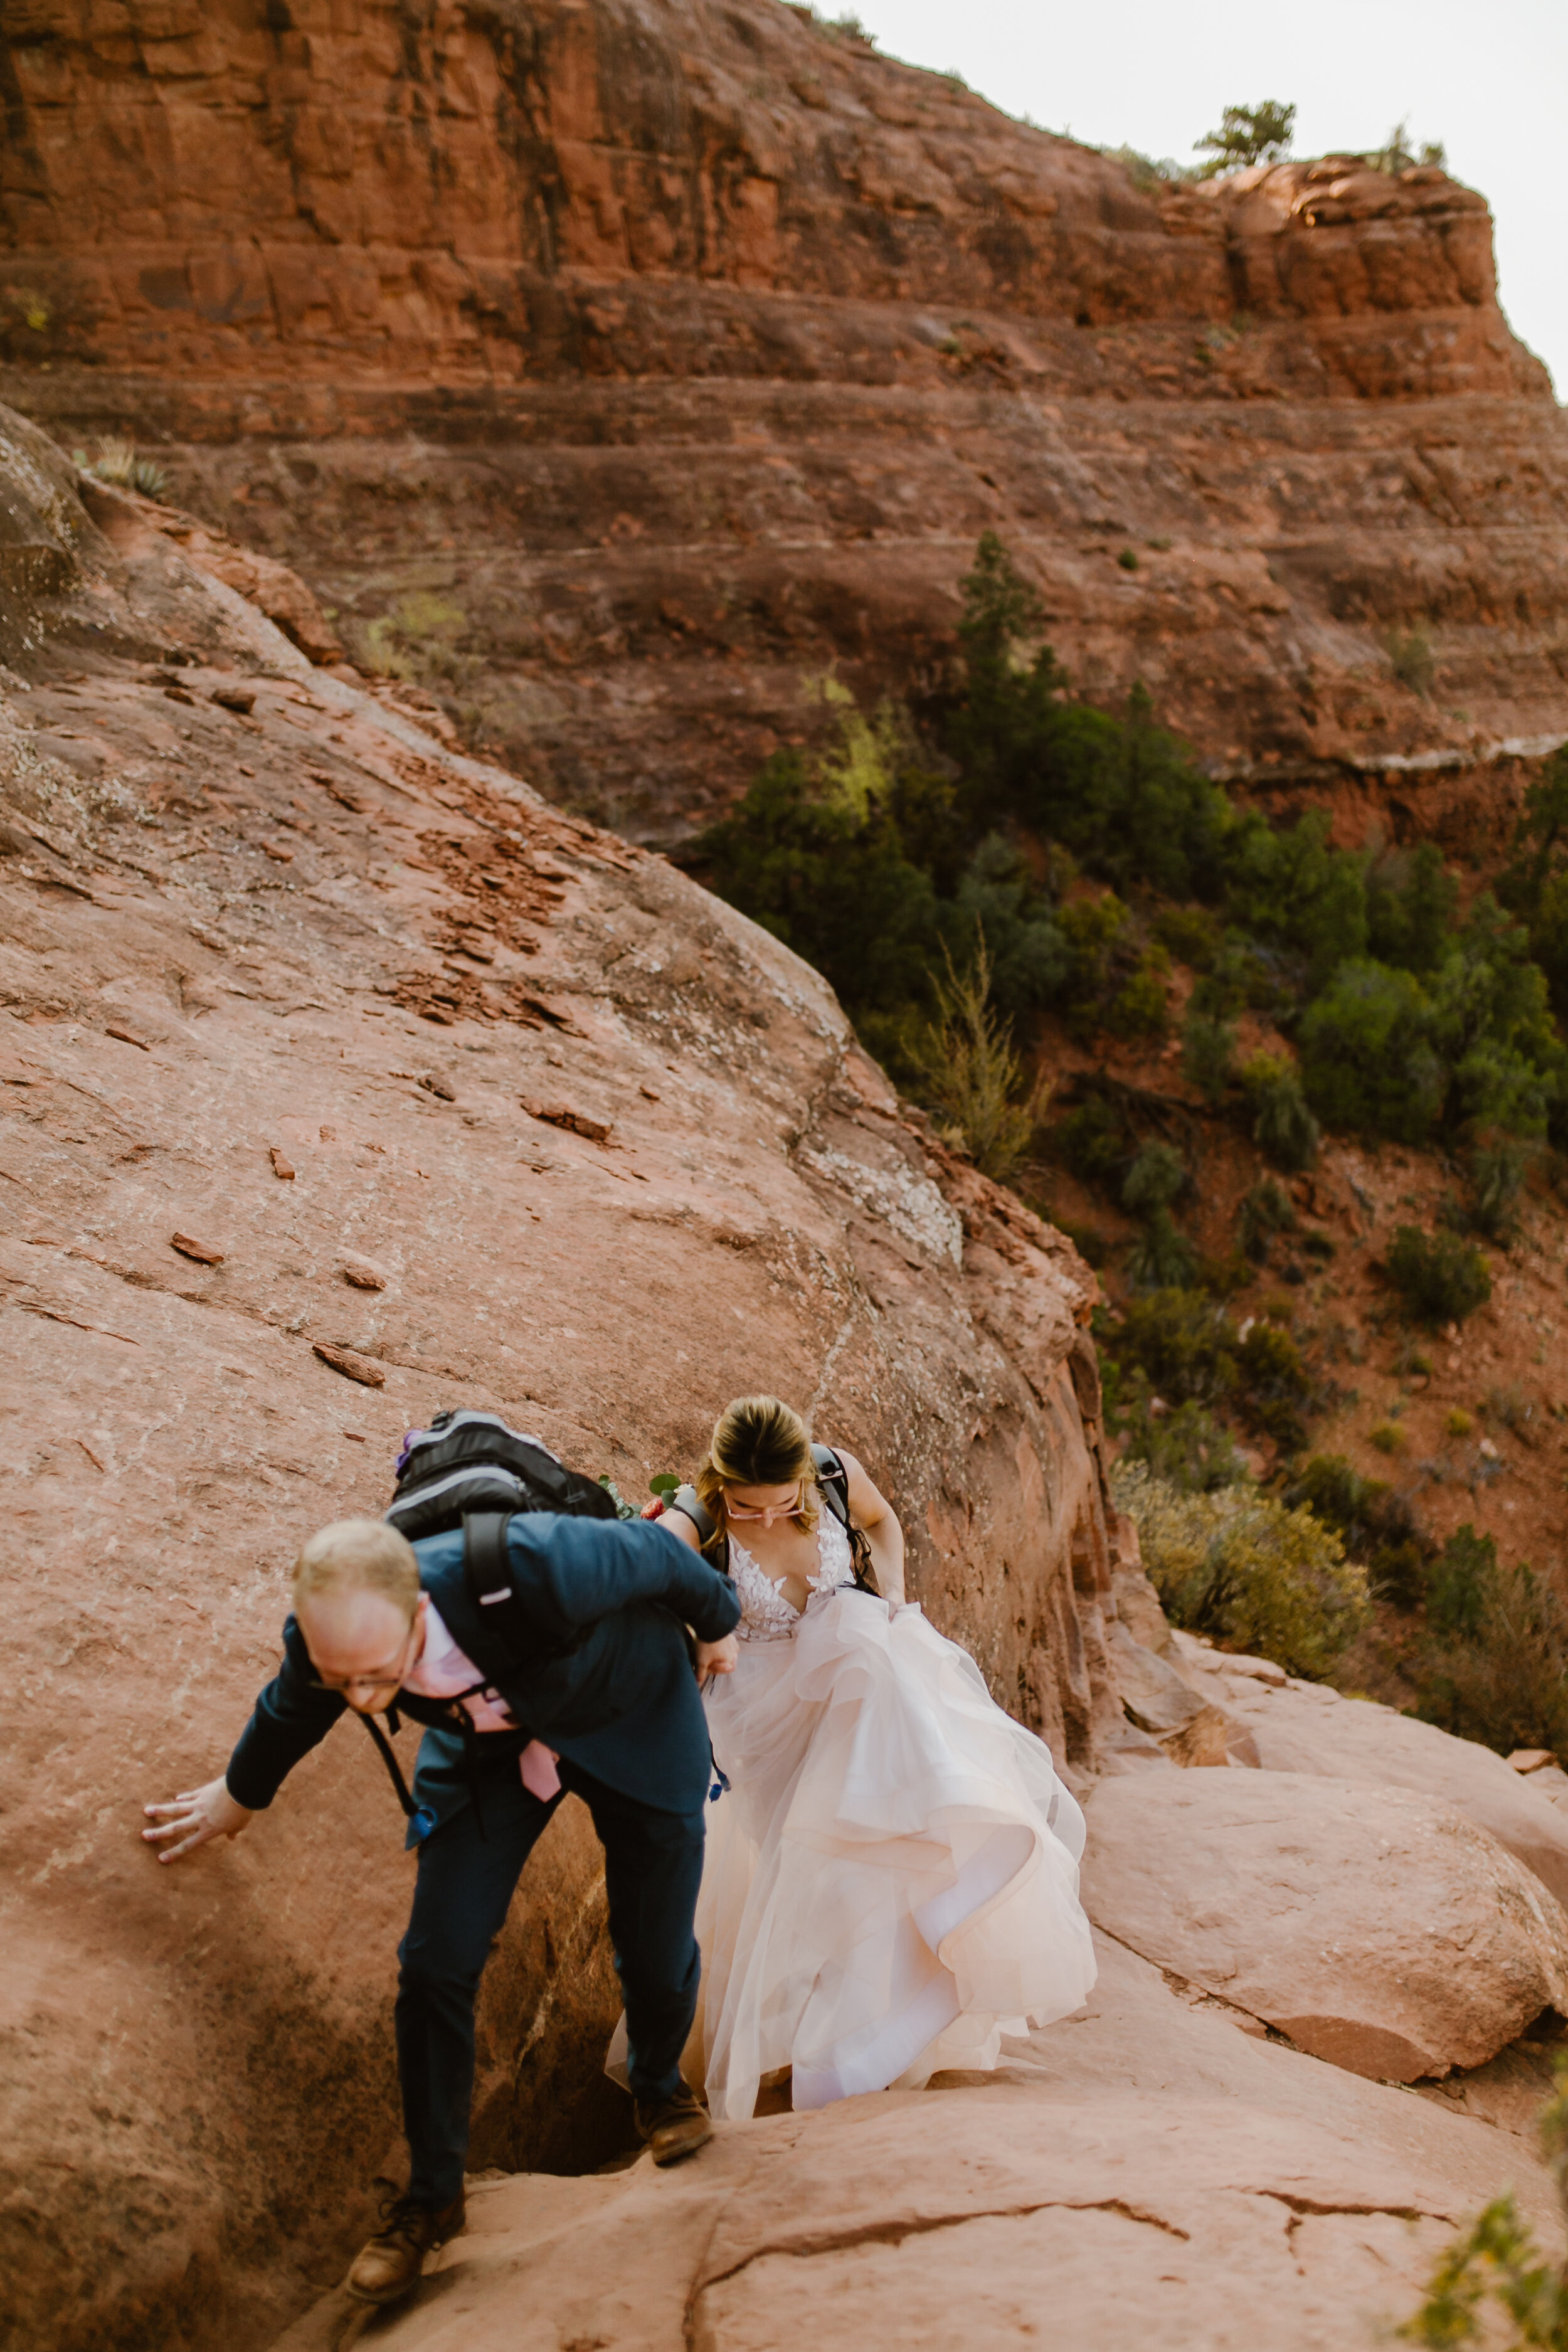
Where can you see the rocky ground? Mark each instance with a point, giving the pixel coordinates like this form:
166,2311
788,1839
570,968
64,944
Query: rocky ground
1145,2175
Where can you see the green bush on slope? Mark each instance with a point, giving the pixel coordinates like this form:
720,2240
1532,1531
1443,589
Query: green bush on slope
1244,1567
1084,847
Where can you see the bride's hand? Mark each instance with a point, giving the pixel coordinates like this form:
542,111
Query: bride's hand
717,1657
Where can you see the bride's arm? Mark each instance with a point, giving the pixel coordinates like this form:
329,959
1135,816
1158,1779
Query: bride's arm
713,1657
874,1514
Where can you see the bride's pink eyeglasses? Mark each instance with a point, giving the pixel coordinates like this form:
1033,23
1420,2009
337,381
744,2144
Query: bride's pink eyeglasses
765,1517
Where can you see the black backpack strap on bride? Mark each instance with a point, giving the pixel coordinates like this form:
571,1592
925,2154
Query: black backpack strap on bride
833,1484
715,1544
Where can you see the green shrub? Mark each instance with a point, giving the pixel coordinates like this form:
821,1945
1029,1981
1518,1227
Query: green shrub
1388,1437
1275,1390
1138,1007
1367,1059
1535,886
1126,798
1411,659
1411,900
1091,1141
1490,1024
1180,1341
1187,1350
884,848
1247,1570
1282,1126
1092,931
1207,1045
1460,1585
1186,1448
1497,1174
1495,1668
971,1076
1440,1278
1189,933
1396,154
1156,1179
1499,2257
1243,974
834,886
1294,887
1266,1210
1149,174
996,898
1511,1409
1376,1525
1162,1258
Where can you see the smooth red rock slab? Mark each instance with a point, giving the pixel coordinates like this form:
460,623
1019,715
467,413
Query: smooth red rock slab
1377,1928
1299,1726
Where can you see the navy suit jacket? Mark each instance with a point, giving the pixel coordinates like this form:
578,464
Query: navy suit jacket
624,1704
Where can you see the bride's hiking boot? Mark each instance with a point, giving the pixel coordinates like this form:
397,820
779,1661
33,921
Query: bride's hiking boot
388,2266
676,2127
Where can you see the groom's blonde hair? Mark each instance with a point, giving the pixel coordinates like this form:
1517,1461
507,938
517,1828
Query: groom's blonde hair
358,1556
758,1441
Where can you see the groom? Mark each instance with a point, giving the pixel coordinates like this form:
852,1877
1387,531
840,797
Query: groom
580,1678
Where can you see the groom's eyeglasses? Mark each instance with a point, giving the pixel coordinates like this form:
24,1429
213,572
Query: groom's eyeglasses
387,1677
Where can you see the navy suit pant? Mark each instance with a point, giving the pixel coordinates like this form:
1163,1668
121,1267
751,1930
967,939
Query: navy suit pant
653,1868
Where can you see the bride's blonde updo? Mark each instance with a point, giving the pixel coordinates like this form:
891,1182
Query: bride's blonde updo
758,1441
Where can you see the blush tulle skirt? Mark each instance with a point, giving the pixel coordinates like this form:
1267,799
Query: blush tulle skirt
891,1882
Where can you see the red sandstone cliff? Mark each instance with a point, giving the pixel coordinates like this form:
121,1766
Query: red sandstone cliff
615,368
287,979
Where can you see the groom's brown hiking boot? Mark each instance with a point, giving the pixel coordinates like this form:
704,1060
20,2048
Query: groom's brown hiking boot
676,2128
387,2266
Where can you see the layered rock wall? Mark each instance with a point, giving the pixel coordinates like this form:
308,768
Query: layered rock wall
439,190
615,369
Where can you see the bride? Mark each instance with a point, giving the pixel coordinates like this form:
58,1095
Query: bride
891,1879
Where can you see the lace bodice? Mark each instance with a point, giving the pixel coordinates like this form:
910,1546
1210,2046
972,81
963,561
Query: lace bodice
766,1614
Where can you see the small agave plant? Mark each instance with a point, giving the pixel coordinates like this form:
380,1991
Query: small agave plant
118,462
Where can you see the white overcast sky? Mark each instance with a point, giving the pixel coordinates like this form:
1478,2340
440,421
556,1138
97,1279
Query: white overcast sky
1491,82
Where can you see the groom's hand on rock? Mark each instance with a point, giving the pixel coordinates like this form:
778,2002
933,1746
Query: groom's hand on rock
195,1815
717,1657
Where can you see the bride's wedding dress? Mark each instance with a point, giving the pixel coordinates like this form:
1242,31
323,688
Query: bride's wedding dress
891,1879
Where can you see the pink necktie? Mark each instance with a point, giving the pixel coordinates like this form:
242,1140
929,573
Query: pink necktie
540,1777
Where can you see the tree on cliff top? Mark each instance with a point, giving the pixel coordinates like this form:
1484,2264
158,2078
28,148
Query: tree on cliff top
1247,134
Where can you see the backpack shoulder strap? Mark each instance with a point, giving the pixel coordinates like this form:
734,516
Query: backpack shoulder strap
833,1484
487,1578
833,1480
487,1572
686,1499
